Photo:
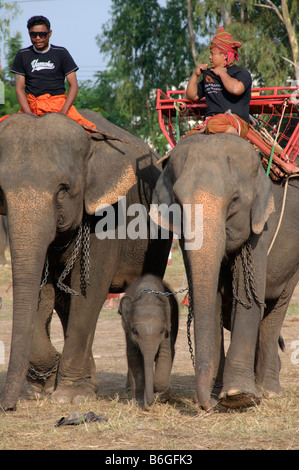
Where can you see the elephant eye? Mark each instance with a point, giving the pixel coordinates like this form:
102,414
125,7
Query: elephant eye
63,190
134,331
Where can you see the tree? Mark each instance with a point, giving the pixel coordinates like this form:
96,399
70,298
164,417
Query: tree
151,49
11,103
7,12
288,14
12,45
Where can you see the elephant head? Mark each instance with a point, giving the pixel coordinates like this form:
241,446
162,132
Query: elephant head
221,175
51,170
150,322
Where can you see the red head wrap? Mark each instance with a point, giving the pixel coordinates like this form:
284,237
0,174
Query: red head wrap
225,43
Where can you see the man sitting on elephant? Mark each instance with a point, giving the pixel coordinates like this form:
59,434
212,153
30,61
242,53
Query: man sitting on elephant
40,71
226,87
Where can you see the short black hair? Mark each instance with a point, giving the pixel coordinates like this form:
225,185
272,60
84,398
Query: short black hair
36,20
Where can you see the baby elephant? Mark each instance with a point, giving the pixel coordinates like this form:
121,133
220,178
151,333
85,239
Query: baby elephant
150,321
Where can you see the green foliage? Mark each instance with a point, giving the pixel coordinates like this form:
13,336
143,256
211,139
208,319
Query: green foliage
150,50
12,45
11,105
8,11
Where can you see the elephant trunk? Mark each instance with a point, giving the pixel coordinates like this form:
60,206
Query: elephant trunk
149,362
203,268
30,234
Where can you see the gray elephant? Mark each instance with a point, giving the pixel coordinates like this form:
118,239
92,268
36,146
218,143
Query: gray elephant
67,252
224,177
150,321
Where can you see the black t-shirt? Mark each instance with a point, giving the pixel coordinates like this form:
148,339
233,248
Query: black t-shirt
44,72
219,100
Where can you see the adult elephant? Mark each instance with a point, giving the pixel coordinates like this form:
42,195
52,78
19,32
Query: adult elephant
223,174
53,177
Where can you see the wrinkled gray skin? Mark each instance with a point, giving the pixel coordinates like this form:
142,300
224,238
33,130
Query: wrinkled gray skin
52,172
150,322
224,174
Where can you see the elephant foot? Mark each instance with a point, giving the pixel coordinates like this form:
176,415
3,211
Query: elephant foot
271,389
74,393
210,404
237,399
162,396
36,390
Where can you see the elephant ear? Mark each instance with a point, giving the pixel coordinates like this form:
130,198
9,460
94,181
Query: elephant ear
166,301
161,212
109,176
263,205
125,307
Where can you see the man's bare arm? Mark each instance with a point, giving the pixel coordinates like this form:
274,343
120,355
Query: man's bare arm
191,92
73,91
20,93
232,85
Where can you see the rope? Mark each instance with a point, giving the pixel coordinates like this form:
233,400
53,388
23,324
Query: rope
179,107
276,137
281,215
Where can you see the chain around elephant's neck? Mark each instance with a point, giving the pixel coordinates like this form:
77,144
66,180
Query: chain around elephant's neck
83,238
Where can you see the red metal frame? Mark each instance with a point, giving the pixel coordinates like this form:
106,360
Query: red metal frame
268,101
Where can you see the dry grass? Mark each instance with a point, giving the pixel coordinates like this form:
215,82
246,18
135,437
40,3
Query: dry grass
177,425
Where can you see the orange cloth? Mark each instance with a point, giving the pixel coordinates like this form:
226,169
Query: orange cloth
221,122
53,104
225,43
4,117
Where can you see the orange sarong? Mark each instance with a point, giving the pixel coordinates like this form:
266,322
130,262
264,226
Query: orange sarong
53,104
221,123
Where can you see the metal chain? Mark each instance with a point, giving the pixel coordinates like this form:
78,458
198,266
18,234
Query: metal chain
34,374
45,273
83,237
85,259
189,322
70,264
157,292
245,253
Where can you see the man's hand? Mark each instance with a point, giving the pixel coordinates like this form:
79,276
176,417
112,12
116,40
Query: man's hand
72,93
200,68
219,70
232,85
21,95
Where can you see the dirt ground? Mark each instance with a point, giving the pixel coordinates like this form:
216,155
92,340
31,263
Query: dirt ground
179,424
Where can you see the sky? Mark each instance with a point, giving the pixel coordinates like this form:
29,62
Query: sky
75,25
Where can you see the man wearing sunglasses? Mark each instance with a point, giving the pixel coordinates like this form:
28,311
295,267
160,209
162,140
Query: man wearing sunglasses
40,72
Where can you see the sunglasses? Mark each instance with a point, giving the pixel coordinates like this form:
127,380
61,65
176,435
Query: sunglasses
41,34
